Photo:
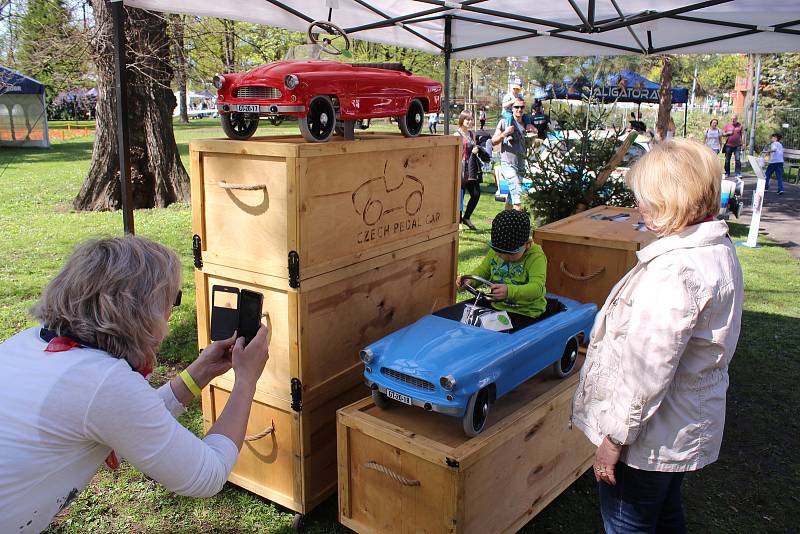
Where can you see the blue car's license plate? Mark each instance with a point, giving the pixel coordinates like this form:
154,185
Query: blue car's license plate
405,399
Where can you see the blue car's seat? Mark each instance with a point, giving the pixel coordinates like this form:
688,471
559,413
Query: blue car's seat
518,321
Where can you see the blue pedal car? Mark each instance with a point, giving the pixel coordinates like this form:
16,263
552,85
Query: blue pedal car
445,363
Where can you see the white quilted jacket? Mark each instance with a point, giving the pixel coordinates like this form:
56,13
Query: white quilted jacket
656,372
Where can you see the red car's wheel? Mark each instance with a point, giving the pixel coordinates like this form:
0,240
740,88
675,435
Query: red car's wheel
239,126
411,123
318,125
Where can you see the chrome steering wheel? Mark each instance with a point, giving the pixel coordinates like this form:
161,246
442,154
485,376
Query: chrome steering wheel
484,289
326,42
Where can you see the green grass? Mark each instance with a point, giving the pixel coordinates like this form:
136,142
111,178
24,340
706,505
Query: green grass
750,489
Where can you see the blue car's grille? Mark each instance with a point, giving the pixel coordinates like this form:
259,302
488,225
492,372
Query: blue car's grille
257,92
408,379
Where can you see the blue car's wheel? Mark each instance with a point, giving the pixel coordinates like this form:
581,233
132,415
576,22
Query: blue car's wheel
564,366
380,400
474,419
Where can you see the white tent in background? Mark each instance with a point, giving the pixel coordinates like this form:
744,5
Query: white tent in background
195,103
23,111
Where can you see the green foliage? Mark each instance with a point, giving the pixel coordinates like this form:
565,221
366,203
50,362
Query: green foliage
50,49
780,79
564,170
717,73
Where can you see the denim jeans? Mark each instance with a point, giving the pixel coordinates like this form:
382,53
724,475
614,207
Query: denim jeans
737,155
777,170
642,502
512,176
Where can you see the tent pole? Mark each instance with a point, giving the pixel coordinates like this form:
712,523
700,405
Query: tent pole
685,117
755,108
448,48
123,138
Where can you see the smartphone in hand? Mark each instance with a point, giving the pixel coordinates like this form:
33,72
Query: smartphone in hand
250,304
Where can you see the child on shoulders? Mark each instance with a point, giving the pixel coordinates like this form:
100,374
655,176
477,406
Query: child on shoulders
515,265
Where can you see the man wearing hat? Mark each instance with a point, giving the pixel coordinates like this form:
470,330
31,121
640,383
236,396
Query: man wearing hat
515,265
510,135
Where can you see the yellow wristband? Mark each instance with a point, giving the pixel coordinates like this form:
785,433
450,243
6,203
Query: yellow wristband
190,383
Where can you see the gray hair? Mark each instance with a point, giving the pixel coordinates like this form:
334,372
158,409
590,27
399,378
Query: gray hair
115,294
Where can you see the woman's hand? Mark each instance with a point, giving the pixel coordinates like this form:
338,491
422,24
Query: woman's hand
213,361
475,150
248,362
605,459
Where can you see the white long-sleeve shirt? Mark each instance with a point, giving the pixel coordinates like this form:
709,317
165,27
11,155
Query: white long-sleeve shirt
61,413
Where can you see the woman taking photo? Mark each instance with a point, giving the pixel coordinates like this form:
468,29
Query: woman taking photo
471,172
75,390
652,392
713,135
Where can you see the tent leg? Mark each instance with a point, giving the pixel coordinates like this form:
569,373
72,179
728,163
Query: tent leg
685,117
753,123
123,138
448,47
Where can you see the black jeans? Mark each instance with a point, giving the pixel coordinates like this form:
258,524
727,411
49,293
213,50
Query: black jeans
736,152
642,502
473,189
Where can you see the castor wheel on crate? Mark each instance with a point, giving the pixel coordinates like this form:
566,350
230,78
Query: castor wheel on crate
297,522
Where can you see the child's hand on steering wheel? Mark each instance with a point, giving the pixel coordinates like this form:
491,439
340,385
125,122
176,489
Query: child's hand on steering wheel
499,291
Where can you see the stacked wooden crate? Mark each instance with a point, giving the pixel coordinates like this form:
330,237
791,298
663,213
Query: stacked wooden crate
347,241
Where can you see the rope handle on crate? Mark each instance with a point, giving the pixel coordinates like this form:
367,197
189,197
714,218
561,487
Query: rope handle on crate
243,187
266,432
580,278
375,466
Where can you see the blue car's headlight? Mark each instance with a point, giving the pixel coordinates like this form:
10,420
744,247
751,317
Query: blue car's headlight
367,356
448,382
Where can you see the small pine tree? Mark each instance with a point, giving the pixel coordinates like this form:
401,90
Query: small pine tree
564,170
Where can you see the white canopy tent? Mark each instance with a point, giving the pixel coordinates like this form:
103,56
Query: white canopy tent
500,28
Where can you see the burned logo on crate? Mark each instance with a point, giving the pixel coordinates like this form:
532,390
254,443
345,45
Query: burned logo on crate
379,201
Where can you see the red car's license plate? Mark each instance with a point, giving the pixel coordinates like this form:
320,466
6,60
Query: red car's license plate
405,399
247,108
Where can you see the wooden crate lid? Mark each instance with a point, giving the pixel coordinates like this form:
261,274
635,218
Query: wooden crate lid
294,146
596,227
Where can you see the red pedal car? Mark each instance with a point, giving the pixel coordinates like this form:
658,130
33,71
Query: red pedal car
325,96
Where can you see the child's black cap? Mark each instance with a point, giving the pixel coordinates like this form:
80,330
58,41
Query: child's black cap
511,229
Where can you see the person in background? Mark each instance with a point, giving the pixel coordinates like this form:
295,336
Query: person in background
651,394
516,266
636,124
712,136
482,117
775,166
471,172
76,393
539,119
510,135
433,120
733,134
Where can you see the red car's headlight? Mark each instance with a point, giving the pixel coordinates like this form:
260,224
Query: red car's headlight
218,81
291,81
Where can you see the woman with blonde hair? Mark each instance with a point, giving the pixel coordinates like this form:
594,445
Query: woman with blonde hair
76,393
652,392
471,171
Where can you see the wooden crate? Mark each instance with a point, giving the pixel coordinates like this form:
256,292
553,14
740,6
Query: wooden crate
403,470
318,329
289,457
263,204
587,256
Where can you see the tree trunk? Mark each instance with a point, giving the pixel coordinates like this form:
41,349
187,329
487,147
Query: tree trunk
665,98
176,22
229,45
157,175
